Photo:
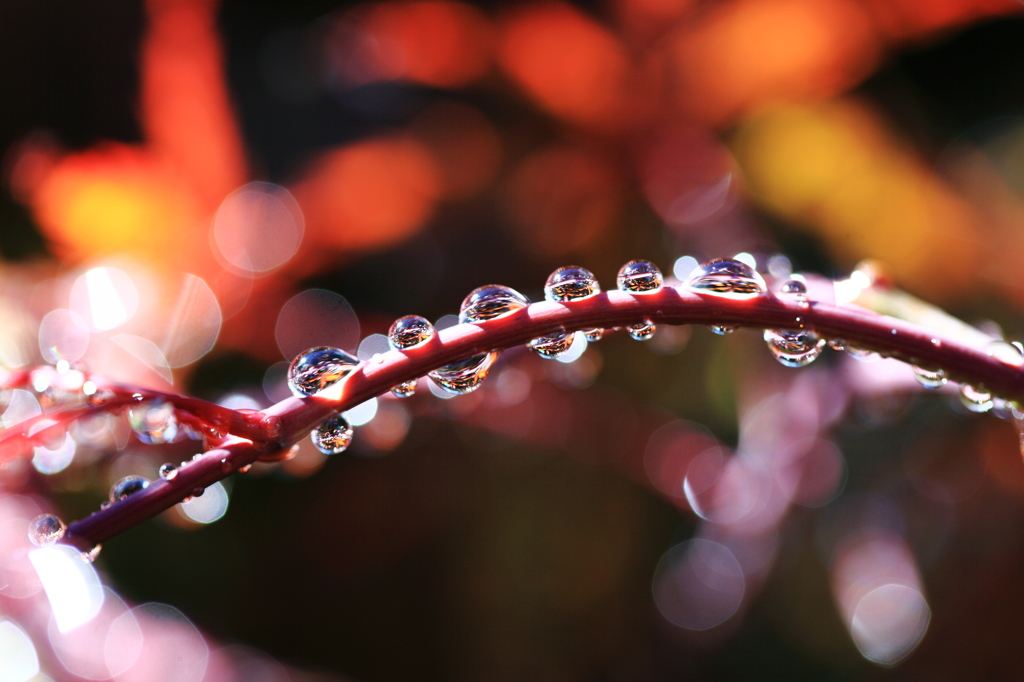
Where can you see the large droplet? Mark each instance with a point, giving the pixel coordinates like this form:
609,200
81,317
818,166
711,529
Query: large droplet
168,471
639,276
154,422
1007,353
129,485
45,529
975,399
794,348
726,278
641,332
409,331
464,376
490,302
317,368
552,345
930,378
333,436
570,283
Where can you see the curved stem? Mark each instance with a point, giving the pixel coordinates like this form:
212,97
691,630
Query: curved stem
288,421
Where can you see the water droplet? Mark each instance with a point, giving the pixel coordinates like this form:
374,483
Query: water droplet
197,492
168,471
975,399
409,331
333,436
721,329
129,485
794,348
490,302
154,422
1006,353
105,504
862,354
937,343
837,344
639,276
45,529
90,556
641,332
244,469
930,378
726,278
464,376
406,389
593,335
570,283
317,368
795,289
552,345
137,397
100,397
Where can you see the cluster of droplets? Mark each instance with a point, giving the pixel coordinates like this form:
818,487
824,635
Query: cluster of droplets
153,422
315,370
484,303
566,284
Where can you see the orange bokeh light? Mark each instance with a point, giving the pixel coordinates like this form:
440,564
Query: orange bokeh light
567,63
748,52
368,195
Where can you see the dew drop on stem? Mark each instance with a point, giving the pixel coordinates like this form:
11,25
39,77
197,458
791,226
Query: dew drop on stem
552,346
168,471
976,399
408,332
333,436
639,277
491,302
573,283
129,485
726,278
643,331
154,422
930,378
794,348
464,376
318,368
45,529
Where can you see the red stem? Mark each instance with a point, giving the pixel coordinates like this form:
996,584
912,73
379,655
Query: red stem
288,421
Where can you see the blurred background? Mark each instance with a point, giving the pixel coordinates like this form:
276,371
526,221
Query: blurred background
194,191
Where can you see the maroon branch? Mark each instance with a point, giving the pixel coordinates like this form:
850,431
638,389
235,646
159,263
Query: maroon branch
269,434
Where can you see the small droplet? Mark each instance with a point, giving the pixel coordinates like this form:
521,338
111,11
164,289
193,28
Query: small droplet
198,491
937,343
244,469
794,348
552,345
728,279
721,329
137,397
154,422
975,399
837,344
100,397
317,368
464,376
168,471
129,485
90,556
639,276
45,529
196,457
862,354
641,332
570,283
105,504
491,302
795,289
593,335
409,331
406,389
225,465
333,436
930,378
